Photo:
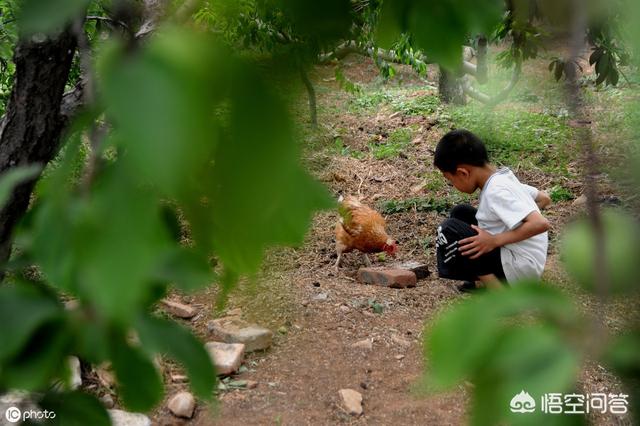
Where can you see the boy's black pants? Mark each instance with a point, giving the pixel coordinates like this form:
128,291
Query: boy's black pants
451,263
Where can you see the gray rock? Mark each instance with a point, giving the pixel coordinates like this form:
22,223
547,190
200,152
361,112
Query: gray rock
179,310
580,201
124,418
320,297
226,357
182,404
352,401
234,330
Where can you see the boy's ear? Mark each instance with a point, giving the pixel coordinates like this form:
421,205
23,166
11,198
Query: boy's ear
463,172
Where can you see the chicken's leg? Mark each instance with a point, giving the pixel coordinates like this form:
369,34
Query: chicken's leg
337,264
367,262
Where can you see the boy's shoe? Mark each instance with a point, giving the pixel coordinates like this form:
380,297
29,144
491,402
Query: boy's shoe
468,287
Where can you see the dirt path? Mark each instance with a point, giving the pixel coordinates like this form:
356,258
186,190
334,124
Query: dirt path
299,378
320,315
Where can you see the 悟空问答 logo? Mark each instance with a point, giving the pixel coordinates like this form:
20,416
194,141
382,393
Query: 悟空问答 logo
522,403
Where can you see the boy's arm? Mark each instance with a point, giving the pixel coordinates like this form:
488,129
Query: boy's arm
540,197
542,200
484,242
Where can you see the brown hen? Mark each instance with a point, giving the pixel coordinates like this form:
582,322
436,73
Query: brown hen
361,228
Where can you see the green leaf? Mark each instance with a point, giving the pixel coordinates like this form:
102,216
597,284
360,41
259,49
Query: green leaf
117,249
439,28
595,55
41,360
169,338
139,383
10,179
392,22
623,354
602,67
49,16
323,22
186,268
613,77
16,327
461,339
452,349
254,203
168,129
621,246
75,409
531,358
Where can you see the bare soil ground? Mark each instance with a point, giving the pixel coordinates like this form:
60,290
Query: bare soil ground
313,357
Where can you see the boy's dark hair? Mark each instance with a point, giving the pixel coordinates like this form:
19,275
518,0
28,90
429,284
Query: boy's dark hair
459,147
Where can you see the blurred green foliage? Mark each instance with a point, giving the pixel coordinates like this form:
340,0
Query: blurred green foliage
197,131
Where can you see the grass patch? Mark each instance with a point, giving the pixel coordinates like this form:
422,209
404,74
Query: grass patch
417,105
421,204
397,142
560,193
366,101
340,148
517,137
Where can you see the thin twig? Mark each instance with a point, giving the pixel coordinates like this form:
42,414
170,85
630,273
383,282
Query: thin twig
107,19
96,135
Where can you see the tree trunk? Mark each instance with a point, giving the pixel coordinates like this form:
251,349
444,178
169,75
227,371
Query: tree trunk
311,93
481,60
32,126
450,88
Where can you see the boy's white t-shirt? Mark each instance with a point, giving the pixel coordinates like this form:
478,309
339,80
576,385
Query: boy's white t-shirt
504,203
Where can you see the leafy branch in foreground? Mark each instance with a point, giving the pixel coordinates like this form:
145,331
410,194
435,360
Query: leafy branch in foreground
191,125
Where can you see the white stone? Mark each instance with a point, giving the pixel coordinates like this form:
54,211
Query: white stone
237,312
179,378
226,357
107,400
105,375
75,380
182,404
400,341
124,418
234,330
352,401
179,310
580,201
366,344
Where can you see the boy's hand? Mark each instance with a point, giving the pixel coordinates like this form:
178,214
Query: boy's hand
480,244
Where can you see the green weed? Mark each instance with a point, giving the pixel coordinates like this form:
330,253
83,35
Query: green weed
560,193
397,142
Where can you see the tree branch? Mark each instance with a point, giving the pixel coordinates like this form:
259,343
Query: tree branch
493,100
